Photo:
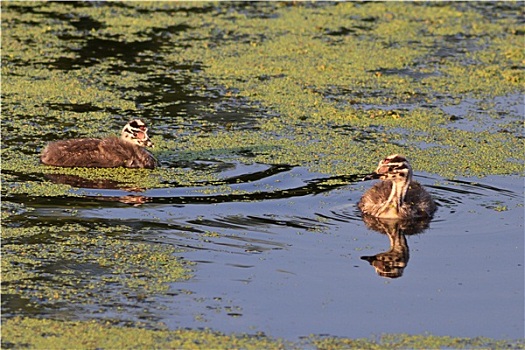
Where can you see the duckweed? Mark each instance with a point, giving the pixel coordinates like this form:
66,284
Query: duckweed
109,255
319,78
406,341
92,335
44,334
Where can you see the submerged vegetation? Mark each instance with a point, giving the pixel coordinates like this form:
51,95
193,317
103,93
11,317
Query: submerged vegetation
332,87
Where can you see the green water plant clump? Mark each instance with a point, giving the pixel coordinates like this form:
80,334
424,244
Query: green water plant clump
338,86
46,334
107,256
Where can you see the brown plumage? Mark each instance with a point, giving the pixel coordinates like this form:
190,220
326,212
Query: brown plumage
126,151
397,196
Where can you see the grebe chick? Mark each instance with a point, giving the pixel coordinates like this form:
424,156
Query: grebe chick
111,152
397,196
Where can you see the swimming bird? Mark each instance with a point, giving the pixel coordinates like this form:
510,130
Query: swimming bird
110,152
397,196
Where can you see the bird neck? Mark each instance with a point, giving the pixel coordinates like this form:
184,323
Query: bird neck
395,200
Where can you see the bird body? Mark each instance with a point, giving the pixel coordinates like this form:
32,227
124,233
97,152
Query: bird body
397,196
124,151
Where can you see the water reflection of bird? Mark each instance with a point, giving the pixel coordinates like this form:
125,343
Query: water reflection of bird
124,151
392,263
397,196
77,181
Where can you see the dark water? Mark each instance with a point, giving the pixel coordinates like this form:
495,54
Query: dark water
287,262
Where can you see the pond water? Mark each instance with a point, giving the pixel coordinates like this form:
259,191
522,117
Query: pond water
274,248
285,258
292,267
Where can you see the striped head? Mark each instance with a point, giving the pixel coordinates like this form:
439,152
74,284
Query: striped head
394,167
136,132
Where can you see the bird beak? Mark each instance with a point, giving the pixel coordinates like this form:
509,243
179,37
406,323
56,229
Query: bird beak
144,139
371,176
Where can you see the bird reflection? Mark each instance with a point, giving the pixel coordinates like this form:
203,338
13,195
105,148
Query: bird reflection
392,263
79,182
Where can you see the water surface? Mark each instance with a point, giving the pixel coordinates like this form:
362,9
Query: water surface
284,258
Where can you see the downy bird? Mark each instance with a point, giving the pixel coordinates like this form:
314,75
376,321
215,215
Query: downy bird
396,196
110,152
